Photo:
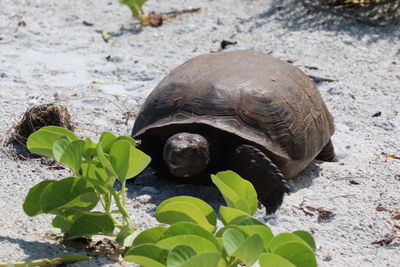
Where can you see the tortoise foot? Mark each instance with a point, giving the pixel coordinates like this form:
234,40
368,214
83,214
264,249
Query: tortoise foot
268,181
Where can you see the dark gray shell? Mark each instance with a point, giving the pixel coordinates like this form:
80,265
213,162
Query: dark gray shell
259,98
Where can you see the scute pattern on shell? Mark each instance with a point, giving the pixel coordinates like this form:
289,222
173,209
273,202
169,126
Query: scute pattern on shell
262,99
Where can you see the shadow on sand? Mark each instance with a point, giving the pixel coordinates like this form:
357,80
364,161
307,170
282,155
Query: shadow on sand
296,16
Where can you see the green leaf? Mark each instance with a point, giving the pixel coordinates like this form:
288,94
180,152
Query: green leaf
262,230
208,259
232,240
180,211
237,192
127,138
232,215
147,255
134,6
126,236
89,149
65,222
297,253
41,142
250,221
222,230
104,161
69,153
187,228
106,140
273,260
245,249
90,224
199,244
70,192
283,238
31,204
204,208
151,235
306,236
179,255
126,160
96,176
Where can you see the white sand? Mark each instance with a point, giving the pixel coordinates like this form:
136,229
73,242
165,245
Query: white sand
56,57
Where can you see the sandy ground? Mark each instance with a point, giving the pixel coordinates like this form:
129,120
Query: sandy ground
56,57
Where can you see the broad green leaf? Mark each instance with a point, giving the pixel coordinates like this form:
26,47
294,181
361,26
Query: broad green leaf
262,230
180,211
179,255
90,224
245,249
297,253
126,160
70,192
222,230
151,235
250,221
232,240
237,192
187,228
231,215
106,140
306,236
206,209
208,259
283,238
69,153
104,161
147,255
127,138
31,204
96,176
199,244
126,236
273,260
41,142
89,149
64,222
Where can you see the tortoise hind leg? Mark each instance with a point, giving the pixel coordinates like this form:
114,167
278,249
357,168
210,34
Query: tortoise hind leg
254,166
327,153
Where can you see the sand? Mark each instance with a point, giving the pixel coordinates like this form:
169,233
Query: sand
56,57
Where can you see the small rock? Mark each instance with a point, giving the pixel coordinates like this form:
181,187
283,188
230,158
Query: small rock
144,198
149,189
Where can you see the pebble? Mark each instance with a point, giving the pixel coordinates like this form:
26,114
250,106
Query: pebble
144,198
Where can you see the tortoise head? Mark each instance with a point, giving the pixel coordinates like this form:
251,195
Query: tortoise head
186,154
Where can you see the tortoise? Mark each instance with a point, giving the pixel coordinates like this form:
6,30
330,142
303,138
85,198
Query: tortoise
245,111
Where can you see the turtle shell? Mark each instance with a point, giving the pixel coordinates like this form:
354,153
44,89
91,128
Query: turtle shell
261,99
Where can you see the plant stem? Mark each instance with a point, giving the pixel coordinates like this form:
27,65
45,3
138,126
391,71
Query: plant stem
123,190
46,262
122,209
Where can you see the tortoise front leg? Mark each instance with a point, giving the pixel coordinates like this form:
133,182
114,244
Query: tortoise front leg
254,166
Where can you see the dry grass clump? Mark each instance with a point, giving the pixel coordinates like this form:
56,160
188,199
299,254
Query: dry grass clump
39,116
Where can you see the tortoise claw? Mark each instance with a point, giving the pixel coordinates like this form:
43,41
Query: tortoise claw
268,181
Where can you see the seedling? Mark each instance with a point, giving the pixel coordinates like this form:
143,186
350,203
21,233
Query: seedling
136,7
95,168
